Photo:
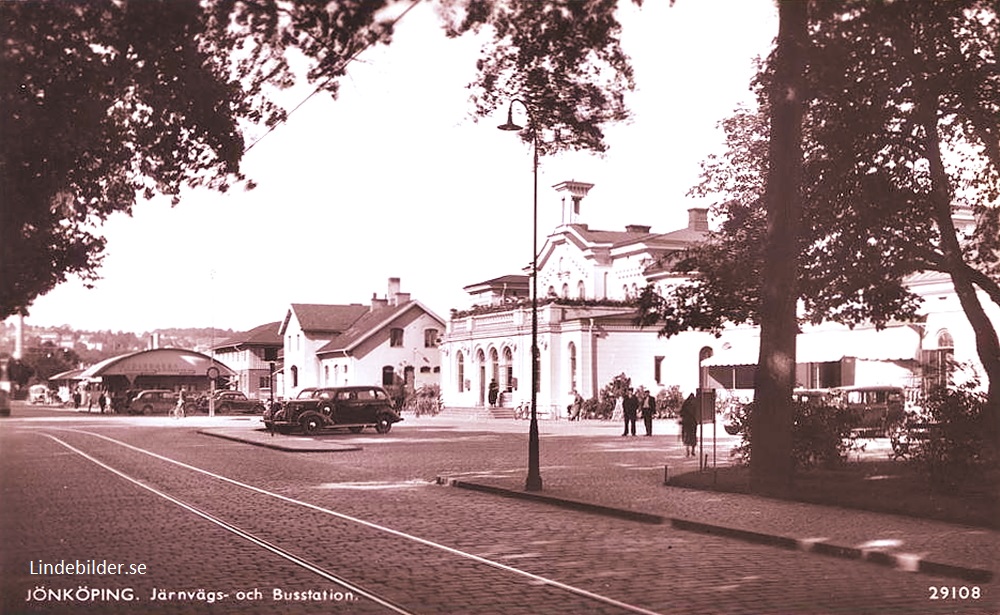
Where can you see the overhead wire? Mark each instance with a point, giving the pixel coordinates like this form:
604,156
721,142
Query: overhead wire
323,84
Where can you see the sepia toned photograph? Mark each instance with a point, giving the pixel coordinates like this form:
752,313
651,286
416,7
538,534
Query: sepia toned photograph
472,307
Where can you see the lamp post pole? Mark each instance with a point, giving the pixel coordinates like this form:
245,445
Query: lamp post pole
534,480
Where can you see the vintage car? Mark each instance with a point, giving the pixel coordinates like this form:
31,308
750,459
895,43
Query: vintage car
352,407
232,401
157,401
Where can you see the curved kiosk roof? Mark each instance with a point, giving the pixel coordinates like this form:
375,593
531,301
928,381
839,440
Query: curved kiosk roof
157,362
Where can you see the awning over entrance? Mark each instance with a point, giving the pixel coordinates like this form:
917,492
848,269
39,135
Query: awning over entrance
157,362
892,344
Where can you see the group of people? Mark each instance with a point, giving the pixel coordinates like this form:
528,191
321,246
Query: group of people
638,403
99,398
635,403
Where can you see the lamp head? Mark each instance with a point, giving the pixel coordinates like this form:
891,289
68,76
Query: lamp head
510,126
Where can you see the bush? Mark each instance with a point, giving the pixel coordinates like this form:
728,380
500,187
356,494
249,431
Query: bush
668,402
821,434
603,406
425,400
948,442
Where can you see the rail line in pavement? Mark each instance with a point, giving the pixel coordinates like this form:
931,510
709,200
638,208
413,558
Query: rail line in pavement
534,578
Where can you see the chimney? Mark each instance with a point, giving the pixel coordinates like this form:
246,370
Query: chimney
698,219
378,303
637,228
577,190
394,297
154,341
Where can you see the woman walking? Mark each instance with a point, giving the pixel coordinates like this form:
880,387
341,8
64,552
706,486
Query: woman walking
689,425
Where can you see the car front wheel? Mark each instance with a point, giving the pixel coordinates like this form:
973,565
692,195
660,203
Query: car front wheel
311,423
383,425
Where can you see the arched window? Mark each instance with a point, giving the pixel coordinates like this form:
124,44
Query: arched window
572,366
507,370
938,364
565,291
295,376
494,365
460,371
326,374
581,290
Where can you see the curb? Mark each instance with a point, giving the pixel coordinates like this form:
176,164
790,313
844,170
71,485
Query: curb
899,561
296,446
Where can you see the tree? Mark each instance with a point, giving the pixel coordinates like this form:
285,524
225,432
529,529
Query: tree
904,101
109,101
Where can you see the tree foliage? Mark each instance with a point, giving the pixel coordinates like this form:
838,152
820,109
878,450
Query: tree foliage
107,102
900,132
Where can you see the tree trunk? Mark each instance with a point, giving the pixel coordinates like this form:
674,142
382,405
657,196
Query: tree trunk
987,343
771,422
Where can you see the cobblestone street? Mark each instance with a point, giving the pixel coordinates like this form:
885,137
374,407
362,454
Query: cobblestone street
241,518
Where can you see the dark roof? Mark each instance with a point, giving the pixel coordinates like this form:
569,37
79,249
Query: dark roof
510,281
327,318
369,323
263,335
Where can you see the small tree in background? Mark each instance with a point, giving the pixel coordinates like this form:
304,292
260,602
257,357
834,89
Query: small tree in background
668,402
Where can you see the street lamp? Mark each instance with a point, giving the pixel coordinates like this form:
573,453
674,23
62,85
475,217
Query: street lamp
534,481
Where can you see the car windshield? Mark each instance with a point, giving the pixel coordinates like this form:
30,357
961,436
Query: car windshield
306,393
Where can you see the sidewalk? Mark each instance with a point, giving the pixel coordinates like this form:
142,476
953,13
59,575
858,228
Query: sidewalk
588,466
634,489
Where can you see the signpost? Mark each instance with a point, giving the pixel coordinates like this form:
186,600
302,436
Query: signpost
706,414
213,375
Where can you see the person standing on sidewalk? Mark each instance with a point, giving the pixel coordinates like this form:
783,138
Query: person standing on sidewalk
630,407
647,407
689,425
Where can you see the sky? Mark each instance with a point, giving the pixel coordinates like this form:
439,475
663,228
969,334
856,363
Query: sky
395,178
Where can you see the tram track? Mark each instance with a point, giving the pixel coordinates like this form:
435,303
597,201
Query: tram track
353,536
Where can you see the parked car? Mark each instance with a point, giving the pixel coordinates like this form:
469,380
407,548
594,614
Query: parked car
876,409
157,401
232,401
353,408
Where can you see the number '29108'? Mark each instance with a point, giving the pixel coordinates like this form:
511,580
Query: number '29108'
953,592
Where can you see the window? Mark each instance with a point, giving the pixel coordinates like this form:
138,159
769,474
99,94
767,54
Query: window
326,374
461,372
565,291
295,376
430,338
388,375
937,365
658,370
581,290
572,366
395,337
507,372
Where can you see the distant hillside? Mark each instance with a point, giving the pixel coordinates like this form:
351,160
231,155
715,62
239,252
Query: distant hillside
94,346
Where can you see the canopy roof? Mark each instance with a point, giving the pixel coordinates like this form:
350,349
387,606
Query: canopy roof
157,362
891,344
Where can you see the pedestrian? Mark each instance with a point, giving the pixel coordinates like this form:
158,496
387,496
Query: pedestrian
179,408
630,408
76,398
689,425
494,392
577,406
102,401
647,407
